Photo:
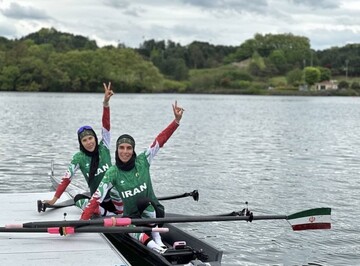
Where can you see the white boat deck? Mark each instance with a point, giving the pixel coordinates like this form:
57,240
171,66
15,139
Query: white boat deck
43,249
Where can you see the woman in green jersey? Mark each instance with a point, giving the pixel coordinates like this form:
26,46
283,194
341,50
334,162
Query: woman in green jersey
93,159
130,179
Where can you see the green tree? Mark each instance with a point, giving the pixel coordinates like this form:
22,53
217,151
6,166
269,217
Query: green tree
277,57
5,44
295,49
295,77
245,50
197,59
62,42
31,73
325,73
257,65
343,84
181,72
355,85
127,68
8,78
2,59
311,75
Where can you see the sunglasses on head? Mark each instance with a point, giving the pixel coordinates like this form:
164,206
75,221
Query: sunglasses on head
82,129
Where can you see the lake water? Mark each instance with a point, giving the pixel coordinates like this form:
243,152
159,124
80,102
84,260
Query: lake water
281,154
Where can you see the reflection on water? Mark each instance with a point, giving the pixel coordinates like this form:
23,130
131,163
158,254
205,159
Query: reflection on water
281,154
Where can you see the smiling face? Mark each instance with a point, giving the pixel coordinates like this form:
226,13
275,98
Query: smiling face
89,143
125,152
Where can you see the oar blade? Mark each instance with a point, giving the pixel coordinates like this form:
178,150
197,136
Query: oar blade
41,206
195,195
319,218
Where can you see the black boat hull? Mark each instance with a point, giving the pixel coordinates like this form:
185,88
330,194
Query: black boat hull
136,253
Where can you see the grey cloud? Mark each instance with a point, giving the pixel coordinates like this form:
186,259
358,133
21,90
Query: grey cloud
117,4
318,4
132,12
124,6
203,3
256,6
22,12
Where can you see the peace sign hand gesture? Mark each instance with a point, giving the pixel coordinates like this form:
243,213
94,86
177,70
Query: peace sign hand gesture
108,93
178,112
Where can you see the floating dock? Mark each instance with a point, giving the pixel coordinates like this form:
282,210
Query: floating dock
43,249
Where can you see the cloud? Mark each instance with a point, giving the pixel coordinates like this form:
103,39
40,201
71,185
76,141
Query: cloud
318,4
116,4
239,6
17,11
220,22
126,7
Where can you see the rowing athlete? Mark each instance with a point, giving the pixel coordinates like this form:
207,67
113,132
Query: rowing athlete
93,160
131,180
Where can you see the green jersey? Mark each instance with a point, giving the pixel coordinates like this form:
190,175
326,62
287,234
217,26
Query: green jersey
82,162
131,185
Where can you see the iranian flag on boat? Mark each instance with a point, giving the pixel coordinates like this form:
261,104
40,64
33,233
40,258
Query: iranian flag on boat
311,219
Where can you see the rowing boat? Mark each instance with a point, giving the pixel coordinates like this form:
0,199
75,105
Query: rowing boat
183,248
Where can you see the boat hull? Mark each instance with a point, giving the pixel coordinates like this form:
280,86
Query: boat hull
136,253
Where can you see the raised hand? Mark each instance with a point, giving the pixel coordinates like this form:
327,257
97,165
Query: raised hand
178,112
108,93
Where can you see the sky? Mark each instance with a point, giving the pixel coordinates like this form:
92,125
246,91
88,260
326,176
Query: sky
327,23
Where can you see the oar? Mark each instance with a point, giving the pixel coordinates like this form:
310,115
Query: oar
86,229
194,195
318,218
42,206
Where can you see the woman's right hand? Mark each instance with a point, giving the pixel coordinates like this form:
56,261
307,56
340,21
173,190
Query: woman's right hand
52,201
178,112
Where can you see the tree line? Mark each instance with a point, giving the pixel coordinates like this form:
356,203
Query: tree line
49,60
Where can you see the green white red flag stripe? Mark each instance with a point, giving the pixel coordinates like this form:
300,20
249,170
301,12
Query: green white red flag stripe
319,218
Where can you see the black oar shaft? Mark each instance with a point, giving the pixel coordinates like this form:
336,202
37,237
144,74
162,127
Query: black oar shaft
194,219
23,230
194,194
175,219
62,223
174,197
86,229
42,206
